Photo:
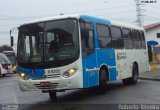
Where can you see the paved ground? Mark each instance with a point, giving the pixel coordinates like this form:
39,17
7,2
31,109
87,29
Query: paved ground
152,75
145,92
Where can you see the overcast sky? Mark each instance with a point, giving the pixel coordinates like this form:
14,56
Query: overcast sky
15,12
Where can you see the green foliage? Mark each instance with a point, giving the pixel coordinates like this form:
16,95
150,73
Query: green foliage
5,48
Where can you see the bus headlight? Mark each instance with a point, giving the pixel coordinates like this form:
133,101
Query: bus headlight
23,76
70,72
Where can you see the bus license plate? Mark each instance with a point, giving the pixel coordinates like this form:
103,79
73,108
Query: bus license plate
45,84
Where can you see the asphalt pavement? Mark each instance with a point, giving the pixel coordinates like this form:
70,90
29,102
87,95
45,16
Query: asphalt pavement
144,92
151,75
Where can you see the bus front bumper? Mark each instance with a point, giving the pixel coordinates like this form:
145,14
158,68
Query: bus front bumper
61,83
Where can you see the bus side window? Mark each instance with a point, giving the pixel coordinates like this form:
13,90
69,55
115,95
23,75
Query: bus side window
104,38
117,40
143,40
128,44
89,41
136,39
87,35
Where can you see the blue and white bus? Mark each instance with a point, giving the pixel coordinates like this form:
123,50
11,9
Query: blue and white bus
78,51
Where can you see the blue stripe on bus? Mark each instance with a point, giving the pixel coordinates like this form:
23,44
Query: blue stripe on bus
104,57
107,57
94,19
98,58
90,77
33,73
112,74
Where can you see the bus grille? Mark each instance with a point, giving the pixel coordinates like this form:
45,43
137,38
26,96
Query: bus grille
52,86
53,76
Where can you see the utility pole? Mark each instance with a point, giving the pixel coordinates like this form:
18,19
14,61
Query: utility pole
139,13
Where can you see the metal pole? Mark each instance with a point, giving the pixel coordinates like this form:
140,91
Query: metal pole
139,13
153,59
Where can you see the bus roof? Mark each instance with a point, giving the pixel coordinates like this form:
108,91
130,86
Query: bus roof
110,22
88,18
52,18
126,25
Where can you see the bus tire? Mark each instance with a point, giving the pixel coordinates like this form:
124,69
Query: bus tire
102,88
134,78
53,95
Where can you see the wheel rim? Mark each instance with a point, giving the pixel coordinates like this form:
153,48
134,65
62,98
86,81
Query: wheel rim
135,76
103,76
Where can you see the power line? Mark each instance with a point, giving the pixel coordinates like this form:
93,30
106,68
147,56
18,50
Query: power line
104,9
29,17
125,17
117,13
153,17
151,12
153,7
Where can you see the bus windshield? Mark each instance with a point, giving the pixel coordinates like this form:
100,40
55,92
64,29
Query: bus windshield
48,44
4,59
11,56
12,59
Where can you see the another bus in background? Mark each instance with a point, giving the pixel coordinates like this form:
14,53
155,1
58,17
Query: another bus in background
12,57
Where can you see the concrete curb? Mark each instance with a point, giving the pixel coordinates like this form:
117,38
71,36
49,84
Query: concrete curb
152,79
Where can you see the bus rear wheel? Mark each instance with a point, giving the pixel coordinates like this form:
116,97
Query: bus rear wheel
134,78
102,88
53,95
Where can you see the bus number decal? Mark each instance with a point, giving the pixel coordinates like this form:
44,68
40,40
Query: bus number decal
54,71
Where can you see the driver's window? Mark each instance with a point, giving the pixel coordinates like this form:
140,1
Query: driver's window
87,37
50,36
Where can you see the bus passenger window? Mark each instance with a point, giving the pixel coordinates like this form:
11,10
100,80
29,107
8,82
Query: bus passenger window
143,40
104,38
117,41
128,44
136,39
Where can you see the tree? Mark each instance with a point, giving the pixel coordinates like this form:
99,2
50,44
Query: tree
5,48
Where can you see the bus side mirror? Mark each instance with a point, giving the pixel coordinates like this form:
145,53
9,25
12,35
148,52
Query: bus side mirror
12,41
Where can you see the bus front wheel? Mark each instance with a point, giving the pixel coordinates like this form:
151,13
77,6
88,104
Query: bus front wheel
102,82
53,95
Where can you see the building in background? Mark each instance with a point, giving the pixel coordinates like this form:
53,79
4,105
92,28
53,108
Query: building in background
153,42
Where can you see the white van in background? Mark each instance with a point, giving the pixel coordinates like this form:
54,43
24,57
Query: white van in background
5,65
